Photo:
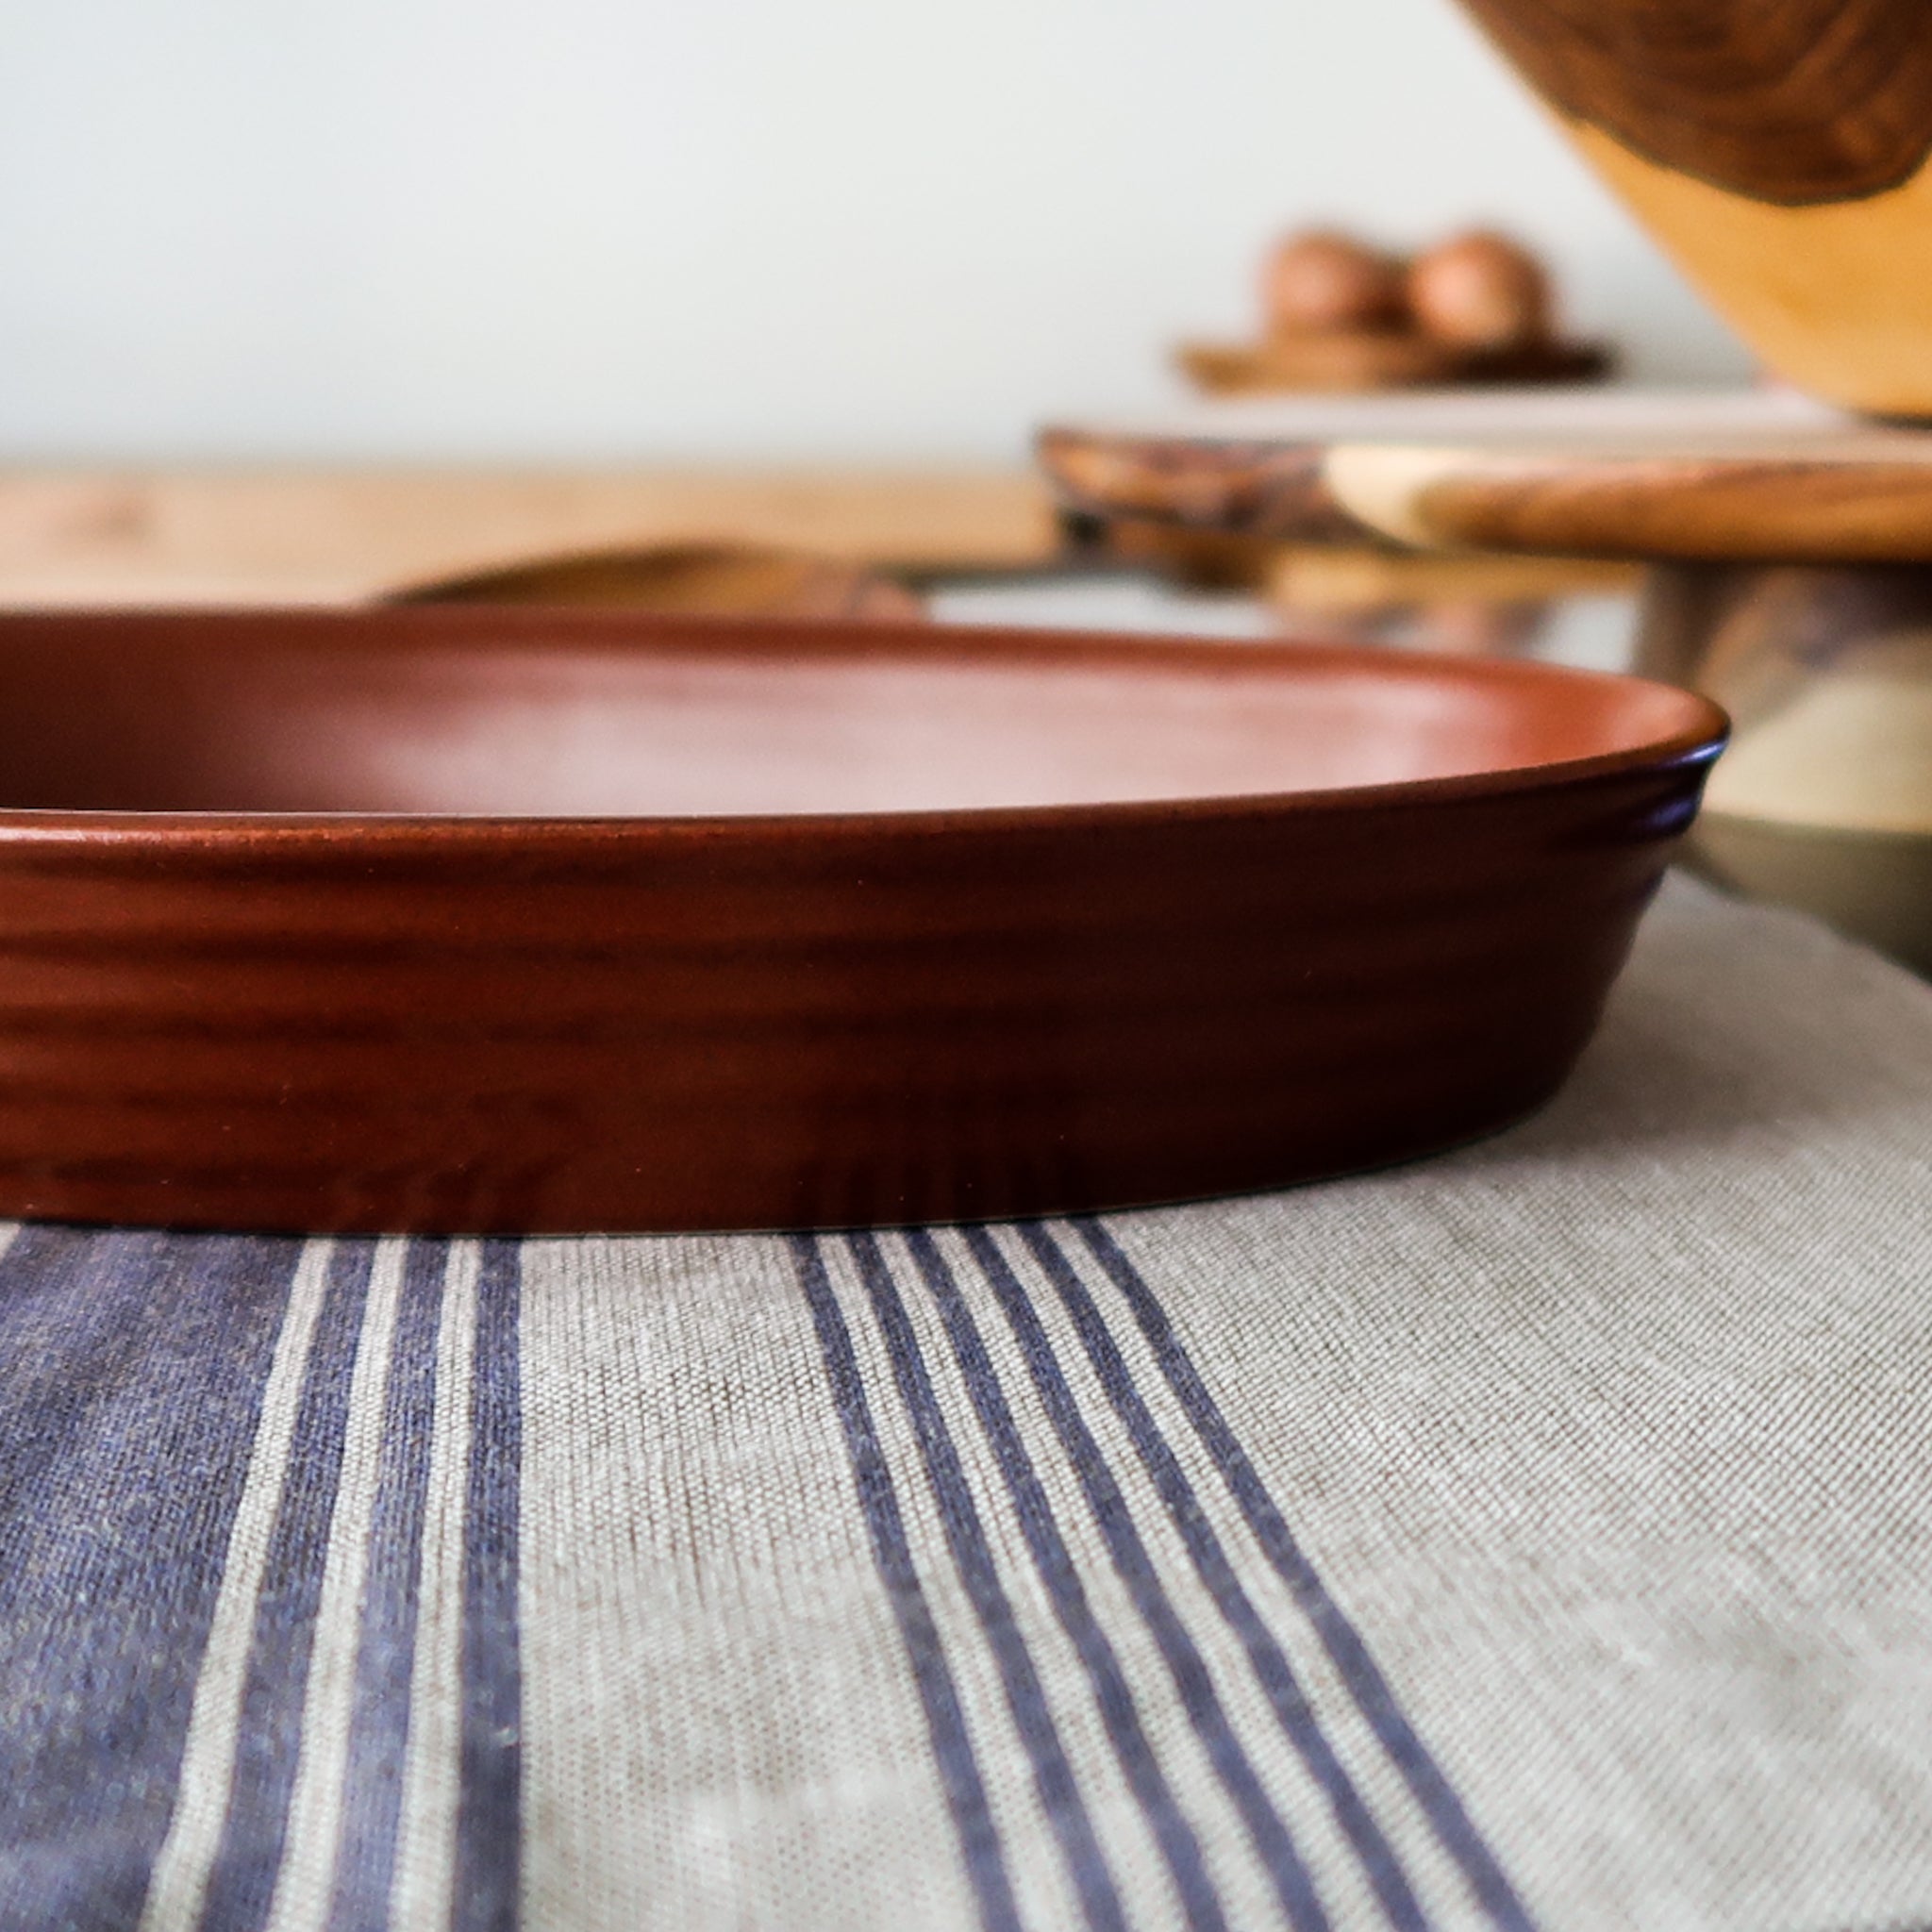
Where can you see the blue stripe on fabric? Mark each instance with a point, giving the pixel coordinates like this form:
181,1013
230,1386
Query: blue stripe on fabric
1179,1848
1346,1647
489,1826
1266,1659
241,1880
1053,1774
54,1327
1272,1842
386,1649
132,1369
946,1719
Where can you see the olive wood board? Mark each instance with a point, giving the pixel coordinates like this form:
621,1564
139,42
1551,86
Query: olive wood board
460,918
1743,475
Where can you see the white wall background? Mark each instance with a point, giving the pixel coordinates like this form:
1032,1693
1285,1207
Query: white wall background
638,229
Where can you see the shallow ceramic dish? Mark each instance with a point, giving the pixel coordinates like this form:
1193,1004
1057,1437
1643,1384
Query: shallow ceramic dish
522,919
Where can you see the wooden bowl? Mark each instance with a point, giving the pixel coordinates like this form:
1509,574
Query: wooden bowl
475,918
1778,149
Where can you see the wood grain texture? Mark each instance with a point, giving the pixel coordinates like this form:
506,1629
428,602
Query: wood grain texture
1244,486
229,998
1743,475
1777,149
1777,503
1786,101
314,536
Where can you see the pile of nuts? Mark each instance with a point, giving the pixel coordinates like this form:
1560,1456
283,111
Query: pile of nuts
1479,292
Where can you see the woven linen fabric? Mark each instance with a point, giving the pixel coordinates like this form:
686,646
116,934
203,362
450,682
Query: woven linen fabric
1541,1535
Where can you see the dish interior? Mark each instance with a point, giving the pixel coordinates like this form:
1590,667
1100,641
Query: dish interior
442,713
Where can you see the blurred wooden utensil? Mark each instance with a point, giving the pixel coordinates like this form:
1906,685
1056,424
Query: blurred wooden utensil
685,580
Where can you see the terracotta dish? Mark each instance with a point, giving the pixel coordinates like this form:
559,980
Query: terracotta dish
475,918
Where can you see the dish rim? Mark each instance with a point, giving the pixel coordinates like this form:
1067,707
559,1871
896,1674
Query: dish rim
1702,738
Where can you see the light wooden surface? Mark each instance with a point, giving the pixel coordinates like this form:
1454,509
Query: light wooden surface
314,535
1831,296
1745,475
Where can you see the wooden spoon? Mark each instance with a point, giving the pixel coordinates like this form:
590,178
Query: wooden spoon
718,580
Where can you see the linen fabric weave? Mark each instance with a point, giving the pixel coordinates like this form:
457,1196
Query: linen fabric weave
1541,1535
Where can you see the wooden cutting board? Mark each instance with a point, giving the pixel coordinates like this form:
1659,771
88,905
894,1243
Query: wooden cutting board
1736,476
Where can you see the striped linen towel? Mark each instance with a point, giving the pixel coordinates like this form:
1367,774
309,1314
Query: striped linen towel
1537,1536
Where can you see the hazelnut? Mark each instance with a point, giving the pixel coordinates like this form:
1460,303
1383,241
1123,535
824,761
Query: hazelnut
1322,281
1481,291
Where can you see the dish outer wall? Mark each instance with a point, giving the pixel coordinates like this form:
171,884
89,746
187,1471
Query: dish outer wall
483,1025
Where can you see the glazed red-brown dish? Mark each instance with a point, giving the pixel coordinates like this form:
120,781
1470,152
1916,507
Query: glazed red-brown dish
513,920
